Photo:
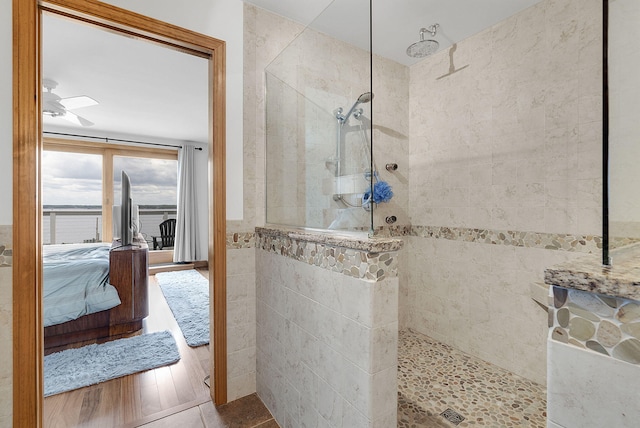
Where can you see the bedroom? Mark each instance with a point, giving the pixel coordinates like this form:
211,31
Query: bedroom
145,113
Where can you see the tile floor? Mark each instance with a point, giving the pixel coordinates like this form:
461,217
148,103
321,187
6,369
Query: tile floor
247,412
434,377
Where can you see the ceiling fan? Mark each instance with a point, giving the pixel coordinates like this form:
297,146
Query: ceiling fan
54,106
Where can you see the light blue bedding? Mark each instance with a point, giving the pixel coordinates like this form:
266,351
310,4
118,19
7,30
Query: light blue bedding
76,281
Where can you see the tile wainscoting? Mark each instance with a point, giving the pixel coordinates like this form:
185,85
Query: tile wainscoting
327,331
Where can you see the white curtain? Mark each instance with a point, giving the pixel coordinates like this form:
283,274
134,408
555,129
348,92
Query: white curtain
186,241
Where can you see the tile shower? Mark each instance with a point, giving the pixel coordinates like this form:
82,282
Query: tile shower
498,178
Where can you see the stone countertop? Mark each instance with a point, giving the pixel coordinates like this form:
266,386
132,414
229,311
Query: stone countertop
622,279
356,240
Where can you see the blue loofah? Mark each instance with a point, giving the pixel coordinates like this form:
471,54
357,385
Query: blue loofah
382,192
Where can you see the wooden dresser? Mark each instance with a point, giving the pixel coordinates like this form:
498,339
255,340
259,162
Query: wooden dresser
128,273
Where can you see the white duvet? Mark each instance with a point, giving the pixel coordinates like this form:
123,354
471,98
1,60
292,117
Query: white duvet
76,281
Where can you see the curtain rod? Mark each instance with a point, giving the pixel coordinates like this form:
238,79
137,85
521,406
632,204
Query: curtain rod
115,139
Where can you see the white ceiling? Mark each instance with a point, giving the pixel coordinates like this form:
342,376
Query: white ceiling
396,23
143,89
151,91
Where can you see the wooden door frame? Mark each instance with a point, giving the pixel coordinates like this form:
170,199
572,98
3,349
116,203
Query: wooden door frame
27,145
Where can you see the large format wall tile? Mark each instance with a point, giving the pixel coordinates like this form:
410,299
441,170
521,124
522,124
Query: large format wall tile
514,144
326,344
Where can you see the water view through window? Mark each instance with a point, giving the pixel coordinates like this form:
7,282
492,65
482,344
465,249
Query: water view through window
72,194
71,197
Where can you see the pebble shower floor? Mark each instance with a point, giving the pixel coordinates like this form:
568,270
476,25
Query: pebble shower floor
435,379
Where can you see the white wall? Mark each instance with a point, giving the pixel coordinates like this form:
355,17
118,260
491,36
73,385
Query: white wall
6,362
202,195
6,118
221,19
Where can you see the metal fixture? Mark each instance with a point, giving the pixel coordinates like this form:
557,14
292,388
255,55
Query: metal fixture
452,416
422,47
362,99
391,219
391,167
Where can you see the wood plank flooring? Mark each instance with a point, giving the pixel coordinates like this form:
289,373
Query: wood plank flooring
138,397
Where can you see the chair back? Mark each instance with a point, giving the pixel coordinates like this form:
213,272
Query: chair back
168,232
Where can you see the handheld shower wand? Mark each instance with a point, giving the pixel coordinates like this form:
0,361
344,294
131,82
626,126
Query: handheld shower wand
362,99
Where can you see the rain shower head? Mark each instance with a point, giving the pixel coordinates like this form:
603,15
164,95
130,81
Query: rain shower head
423,48
362,99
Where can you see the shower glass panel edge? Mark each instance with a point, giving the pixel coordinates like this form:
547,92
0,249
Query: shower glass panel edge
317,167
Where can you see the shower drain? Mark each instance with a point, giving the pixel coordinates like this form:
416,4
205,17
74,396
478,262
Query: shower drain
452,416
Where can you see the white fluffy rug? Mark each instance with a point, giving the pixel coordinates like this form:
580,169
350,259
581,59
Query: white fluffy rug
91,364
187,293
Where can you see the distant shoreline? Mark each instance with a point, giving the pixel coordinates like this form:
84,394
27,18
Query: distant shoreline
99,207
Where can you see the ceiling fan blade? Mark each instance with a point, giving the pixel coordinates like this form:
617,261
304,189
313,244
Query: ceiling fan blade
78,102
78,120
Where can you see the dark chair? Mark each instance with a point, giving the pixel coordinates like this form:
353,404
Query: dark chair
167,235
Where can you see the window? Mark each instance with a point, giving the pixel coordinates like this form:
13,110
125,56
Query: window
71,197
154,184
81,184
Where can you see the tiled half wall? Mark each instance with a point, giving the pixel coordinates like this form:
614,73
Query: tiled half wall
604,324
326,334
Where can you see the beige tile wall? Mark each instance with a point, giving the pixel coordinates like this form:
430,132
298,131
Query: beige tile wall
509,143
327,345
241,323
6,333
512,142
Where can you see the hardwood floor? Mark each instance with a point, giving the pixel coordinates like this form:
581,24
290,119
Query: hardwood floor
143,397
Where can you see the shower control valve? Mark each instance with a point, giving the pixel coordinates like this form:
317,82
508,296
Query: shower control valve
390,219
391,167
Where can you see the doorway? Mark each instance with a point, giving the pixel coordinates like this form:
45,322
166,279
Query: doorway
27,147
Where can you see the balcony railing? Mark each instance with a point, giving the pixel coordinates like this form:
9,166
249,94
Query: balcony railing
70,226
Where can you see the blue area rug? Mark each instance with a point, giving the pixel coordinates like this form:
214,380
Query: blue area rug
187,293
74,368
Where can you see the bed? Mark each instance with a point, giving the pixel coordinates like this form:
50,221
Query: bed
93,291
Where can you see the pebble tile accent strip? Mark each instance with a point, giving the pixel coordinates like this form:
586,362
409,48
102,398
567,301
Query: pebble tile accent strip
348,261
6,249
549,241
434,377
357,241
239,240
604,324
